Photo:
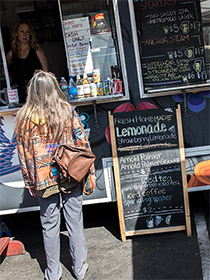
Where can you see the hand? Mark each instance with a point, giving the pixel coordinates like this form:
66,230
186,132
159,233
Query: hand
32,192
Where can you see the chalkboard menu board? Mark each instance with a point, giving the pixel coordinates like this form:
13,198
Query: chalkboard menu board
170,42
151,186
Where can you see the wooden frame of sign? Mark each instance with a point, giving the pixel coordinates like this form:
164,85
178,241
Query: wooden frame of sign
167,210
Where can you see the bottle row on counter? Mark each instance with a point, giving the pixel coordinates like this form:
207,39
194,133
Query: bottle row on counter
86,87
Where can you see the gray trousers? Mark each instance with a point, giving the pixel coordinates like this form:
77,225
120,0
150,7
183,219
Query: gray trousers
50,220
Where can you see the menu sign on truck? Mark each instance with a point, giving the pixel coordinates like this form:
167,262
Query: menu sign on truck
77,36
170,42
150,171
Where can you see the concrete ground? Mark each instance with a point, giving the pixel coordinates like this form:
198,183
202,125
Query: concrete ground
164,256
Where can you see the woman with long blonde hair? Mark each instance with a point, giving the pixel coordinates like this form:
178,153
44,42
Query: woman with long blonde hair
24,57
40,125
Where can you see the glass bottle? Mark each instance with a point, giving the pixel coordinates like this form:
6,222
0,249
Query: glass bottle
93,89
86,86
80,89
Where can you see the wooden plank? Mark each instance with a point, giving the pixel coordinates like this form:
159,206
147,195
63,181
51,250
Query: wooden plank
183,170
117,177
157,230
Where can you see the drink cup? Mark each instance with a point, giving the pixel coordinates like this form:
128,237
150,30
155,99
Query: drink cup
150,222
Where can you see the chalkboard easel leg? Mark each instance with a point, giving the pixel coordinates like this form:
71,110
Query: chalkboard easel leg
117,177
183,171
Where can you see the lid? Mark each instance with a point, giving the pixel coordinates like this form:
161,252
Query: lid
99,16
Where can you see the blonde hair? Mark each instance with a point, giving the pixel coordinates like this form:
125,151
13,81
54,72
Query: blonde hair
45,100
15,42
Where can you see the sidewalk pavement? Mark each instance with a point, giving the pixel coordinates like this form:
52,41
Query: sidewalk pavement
165,256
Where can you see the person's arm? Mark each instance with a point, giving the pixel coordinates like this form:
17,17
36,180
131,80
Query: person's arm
80,134
82,140
24,159
9,58
9,62
42,58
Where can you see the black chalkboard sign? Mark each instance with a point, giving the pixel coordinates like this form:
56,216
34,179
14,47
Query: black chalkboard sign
170,42
150,172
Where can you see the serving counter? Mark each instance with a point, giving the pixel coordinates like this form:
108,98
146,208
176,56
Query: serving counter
5,111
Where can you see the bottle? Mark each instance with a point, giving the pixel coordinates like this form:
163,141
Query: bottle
64,87
80,89
93,89
111,86
86,86
118,84
107,86
72,88
100,88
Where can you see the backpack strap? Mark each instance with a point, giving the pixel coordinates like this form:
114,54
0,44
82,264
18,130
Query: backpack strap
73,130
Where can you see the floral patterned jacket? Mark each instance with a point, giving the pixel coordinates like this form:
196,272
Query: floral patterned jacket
35,154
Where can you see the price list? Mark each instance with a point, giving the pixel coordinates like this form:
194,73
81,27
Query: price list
170,42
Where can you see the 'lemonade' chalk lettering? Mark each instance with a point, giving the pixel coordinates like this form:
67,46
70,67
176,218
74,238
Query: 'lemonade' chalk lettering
143,129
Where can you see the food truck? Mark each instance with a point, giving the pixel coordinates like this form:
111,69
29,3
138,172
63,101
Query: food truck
151,54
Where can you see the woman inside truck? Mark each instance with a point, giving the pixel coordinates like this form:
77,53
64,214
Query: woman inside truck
24,58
